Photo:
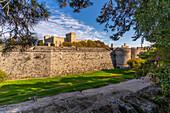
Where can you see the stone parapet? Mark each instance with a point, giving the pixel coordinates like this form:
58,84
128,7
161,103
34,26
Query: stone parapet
44,61
38,62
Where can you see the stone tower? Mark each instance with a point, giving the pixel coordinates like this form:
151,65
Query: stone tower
111,45
71,37
46,37
122,56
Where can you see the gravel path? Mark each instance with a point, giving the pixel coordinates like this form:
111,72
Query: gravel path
127,86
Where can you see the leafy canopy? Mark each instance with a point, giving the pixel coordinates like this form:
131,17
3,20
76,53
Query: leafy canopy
148,18
40,43
17,19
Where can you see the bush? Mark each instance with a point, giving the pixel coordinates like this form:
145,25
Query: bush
83,43
134,63
77,44
39,56
40,43
91,43
100,44
28,58
3,76
52,44
67,44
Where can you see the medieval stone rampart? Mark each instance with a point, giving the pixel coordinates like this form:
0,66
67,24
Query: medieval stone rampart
44,61
122,56
52,61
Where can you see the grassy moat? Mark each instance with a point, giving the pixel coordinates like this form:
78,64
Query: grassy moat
20,90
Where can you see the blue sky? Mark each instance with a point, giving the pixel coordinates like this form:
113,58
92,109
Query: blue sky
84,24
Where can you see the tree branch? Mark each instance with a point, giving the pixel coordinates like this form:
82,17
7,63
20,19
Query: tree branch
2,1
8,12
6,4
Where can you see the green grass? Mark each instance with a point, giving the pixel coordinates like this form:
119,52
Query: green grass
19,90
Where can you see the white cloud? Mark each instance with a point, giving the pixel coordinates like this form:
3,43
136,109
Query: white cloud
59,24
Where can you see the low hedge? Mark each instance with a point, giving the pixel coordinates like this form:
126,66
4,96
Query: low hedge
134,63
3,76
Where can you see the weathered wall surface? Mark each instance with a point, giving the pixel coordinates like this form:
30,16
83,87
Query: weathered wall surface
25,65
124,54
83,60
54,61
136,51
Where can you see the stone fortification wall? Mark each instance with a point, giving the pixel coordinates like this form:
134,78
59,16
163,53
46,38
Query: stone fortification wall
122,56
81,60
44,61
136,51
52,61
26,65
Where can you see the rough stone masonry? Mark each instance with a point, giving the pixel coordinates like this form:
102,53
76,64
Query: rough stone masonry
45,61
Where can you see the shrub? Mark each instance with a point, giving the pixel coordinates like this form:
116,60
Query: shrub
39,56
52,44
100,44
67,44
28,58
40,43
77,44
134,63
3,76
83,43
91,44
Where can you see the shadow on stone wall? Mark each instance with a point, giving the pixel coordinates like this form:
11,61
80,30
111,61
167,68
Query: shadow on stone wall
113,57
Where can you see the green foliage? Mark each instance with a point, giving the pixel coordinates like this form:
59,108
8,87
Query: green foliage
150,20
160,101
67,44
28,58
40,43
160,68
39,56
3,76
83,43
91,43
75,4
52,44
77,44
134,63
100,44
20,90
17,19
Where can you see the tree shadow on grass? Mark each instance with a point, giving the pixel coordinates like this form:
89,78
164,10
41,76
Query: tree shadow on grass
18,89
120,71
81,79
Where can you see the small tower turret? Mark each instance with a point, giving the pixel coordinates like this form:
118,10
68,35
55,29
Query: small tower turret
71,37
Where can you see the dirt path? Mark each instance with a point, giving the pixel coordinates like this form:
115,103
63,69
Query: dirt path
127,87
